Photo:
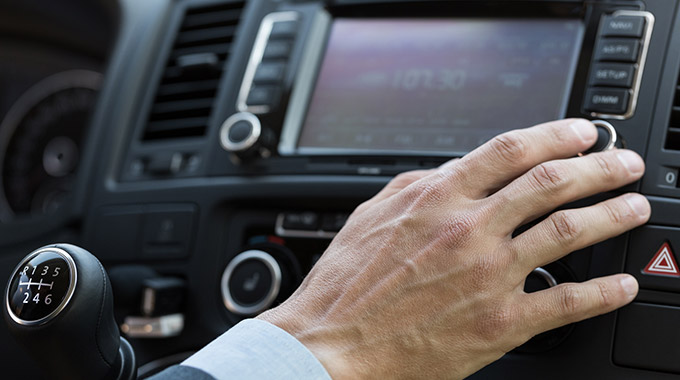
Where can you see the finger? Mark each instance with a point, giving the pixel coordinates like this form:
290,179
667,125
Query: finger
511,154
566,231
572,302
558,182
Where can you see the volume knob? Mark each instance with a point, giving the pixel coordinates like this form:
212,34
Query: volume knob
243,135
607,137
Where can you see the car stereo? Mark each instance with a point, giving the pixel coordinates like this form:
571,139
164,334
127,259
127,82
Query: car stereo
379,81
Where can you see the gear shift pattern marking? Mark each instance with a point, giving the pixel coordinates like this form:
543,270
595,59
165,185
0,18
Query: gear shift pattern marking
41,286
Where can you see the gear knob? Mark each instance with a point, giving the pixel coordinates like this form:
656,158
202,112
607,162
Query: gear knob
59,306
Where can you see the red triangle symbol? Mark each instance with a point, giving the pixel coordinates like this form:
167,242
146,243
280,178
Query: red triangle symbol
663,263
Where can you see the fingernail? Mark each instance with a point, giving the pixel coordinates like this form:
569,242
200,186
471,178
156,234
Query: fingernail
631,161
629,285
584,129
638,203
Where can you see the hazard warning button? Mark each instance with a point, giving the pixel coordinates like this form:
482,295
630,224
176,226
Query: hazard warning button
652,260
663,263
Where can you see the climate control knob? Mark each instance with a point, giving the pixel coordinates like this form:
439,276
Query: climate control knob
259,277
539,279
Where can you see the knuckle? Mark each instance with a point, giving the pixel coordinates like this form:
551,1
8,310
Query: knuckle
486,272
482,269
571,300
550,176
406,178
425,192
497,323
459,229
606,298
565,226
510,146
363,207
605,166
561,136
614,214
513,253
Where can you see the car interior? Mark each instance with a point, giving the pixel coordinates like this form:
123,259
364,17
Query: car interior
207,151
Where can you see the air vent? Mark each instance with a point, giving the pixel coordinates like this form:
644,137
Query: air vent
673,134
186,94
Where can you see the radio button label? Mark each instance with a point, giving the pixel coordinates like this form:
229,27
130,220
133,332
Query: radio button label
623,26
619,49
612,74
607,100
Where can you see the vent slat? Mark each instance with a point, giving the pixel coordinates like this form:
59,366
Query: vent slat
227,17
186,95
188,88
176,133
673,128
238,5
174,74
205,36
220,49
184,105
673,139
177,124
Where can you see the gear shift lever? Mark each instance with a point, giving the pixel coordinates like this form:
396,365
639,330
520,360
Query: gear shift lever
59,306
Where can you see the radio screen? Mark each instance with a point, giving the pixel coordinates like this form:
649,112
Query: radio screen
445,86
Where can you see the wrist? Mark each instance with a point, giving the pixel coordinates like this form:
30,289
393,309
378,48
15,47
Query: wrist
332,349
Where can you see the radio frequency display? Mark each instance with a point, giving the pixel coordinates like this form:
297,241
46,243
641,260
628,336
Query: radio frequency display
437,85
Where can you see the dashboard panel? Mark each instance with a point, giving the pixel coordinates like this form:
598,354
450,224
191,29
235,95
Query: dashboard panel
229,141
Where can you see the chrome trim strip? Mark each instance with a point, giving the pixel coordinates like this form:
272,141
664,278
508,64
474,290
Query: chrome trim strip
256,57
153,327
69,293
319,234
275,271
304,83
640,65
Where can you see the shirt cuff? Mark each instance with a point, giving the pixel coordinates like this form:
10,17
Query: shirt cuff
255,349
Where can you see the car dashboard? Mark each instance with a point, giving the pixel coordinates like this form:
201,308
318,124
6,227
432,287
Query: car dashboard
207,151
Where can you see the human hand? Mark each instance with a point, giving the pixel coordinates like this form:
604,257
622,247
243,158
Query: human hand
426,281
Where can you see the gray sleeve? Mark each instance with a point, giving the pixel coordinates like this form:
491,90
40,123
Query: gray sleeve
254,349
180,372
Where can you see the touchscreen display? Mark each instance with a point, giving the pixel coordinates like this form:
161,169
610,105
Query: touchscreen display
447,86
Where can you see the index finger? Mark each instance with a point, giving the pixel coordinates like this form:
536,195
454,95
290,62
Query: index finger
507,156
